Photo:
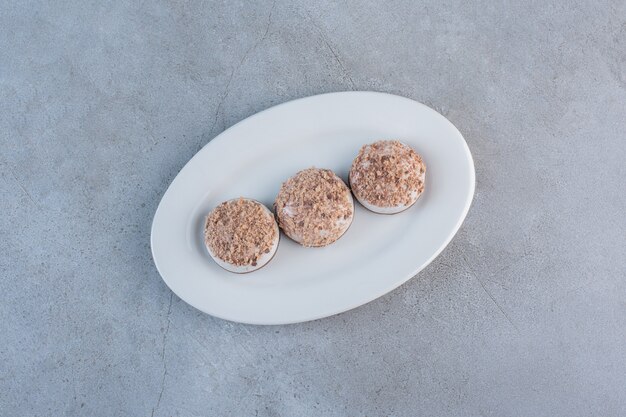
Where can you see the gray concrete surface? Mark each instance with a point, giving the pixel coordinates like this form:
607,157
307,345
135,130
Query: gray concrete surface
101,103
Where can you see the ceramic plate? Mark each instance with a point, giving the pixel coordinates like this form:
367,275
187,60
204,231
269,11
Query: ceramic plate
377,254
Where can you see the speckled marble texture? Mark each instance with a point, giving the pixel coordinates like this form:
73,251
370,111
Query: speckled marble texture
103,102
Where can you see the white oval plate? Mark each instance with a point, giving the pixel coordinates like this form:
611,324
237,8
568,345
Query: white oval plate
377,254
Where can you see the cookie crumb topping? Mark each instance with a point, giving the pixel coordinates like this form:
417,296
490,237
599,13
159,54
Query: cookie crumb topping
314,207
387,173
240,231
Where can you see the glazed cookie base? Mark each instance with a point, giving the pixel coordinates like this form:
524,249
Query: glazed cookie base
386,210
244,269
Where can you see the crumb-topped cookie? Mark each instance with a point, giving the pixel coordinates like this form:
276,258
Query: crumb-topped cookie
314,207
241,235
387,176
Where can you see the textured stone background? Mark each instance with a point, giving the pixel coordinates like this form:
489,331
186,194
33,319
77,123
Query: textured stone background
102,103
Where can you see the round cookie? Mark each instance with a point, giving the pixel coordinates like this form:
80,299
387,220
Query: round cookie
241,235
314,207
387,176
